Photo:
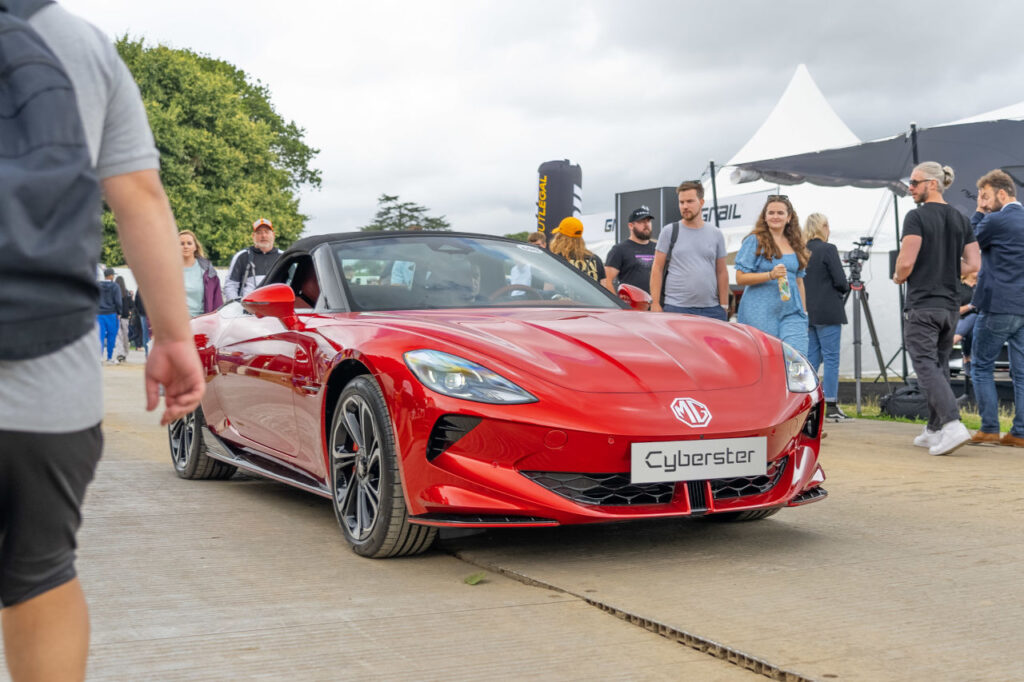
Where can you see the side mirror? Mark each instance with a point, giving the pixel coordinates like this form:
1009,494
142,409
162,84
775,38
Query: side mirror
637,298
273,300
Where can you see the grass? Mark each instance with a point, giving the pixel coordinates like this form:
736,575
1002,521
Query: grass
870,409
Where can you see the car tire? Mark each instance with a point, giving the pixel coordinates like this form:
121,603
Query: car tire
188,453
366,487
750,515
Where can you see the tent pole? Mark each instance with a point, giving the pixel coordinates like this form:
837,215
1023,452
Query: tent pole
913,141
899,287
714,192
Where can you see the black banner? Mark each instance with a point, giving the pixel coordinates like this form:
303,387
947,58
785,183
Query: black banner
559,193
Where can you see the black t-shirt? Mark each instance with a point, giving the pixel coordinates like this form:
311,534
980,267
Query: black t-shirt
633,261
935,280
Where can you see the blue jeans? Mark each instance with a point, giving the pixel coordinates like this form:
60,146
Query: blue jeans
991,331
823,343
145,333
108,325
715,312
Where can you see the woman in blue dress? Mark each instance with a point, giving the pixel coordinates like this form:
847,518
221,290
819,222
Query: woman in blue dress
774,251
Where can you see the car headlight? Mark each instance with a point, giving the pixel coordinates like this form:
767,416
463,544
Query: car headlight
800,376
460,378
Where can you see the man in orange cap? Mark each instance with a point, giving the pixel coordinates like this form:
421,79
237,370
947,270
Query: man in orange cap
567,242
249,266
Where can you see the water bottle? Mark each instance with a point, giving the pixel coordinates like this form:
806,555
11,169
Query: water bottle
784,287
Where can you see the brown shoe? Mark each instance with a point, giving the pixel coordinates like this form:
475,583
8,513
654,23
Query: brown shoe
1012,440
985,438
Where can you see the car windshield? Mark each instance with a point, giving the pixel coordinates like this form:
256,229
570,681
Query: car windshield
440,271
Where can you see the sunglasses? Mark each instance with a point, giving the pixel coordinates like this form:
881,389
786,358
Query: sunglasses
915,183
778,197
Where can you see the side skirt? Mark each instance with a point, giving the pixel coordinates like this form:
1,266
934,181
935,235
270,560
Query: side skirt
261,465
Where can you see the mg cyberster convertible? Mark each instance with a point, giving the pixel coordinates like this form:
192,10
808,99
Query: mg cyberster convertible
424,380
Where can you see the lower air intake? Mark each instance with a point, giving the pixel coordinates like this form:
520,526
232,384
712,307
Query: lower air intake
602,489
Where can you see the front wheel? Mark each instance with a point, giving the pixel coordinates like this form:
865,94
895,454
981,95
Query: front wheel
365,483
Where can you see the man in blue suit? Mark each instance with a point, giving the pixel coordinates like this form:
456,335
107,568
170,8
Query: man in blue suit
999,299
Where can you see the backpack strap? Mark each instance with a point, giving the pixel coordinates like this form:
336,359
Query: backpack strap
250,270
668,258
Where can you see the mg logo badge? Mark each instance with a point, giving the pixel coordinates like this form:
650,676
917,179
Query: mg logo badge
691,412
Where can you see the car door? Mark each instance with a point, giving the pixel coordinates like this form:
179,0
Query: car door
313,355
255,361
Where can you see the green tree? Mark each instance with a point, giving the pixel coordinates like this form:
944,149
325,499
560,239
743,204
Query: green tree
393,214
226,157
519,236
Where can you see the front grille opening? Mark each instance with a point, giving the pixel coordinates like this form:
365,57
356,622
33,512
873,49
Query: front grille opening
743,486
447,431
698,496
602,489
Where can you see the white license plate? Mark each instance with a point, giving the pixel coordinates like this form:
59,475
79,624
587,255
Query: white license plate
697,460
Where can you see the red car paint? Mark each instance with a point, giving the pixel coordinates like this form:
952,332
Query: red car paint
603,379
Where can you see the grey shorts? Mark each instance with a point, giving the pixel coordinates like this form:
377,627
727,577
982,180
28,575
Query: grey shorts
43,477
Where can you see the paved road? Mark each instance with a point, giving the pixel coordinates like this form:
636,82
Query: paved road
249,579
908,571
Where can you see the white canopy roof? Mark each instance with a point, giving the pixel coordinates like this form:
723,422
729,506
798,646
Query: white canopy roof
802,121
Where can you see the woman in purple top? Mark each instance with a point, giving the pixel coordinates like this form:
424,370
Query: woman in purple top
202,286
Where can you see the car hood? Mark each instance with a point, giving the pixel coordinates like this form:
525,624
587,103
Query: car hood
598,351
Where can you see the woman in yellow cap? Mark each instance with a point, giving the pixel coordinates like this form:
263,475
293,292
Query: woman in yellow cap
567,242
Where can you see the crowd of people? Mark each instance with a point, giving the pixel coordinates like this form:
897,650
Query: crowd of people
794,288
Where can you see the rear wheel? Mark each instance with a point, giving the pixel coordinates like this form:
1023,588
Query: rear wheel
188,454
365,483
750,515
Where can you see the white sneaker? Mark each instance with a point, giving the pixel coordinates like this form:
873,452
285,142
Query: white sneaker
952,436
927,438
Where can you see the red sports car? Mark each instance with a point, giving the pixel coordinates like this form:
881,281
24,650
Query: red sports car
423,380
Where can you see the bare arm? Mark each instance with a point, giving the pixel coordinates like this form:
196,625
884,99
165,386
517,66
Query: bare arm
611,273
971,259
803,293
657,274
747,278
149,238
722,272
910,247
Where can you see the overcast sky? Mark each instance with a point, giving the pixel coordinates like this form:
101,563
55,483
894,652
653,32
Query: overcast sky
453,105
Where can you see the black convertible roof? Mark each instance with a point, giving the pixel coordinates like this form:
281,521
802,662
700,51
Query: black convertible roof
307,244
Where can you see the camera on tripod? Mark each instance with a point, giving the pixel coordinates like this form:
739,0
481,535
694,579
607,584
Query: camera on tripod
859,254
856,256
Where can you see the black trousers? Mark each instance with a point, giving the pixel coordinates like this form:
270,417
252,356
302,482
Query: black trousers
928,337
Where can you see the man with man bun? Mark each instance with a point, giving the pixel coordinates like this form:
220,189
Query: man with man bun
999,300
938,245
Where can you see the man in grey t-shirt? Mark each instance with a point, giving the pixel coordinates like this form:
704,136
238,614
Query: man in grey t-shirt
697,281
51,406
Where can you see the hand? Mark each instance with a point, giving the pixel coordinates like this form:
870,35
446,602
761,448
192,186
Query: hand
982,208
174,366
655,307
778,272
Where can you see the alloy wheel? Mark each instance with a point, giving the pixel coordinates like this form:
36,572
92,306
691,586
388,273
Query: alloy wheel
183,433
356,467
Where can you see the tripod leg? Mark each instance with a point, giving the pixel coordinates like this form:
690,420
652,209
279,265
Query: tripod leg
874,338
856,344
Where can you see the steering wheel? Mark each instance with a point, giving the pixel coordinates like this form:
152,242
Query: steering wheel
530,292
